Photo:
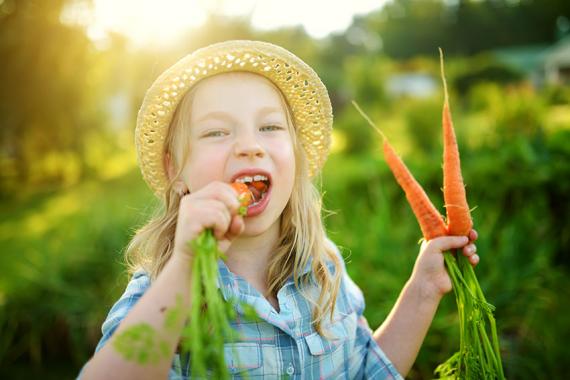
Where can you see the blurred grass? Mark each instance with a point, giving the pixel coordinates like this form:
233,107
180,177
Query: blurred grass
62,261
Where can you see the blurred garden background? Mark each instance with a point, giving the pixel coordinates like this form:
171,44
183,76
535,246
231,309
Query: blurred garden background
71,194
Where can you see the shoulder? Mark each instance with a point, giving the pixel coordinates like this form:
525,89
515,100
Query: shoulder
139,282
335,256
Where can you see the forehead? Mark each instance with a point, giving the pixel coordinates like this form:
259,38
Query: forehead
235,92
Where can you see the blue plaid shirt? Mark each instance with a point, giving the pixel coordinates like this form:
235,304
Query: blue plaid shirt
282,344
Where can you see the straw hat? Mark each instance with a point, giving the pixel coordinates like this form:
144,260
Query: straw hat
305,93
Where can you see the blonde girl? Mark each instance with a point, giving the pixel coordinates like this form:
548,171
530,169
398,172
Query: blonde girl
253,112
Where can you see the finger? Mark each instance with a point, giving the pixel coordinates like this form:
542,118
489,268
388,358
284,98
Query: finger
469,250
445,243
236,228
220,226
473,235
474,259
218,217
224,193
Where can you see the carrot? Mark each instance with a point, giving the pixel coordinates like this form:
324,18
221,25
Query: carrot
245,197
459,220
430,220
479,356
259,185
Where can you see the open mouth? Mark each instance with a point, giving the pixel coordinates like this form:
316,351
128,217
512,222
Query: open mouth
258,186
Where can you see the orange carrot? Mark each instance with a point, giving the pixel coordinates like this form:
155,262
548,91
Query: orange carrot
259,185
430,220
459,220
245,197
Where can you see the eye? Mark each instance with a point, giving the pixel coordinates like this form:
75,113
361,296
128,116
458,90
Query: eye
270,128
215,133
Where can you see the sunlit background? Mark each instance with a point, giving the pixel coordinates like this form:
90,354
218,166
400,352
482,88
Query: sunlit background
73,75
153,22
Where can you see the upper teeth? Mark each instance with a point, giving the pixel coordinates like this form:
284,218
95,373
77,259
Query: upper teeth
246,179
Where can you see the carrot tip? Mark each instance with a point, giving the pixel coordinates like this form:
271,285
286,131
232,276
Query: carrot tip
365,116
442,69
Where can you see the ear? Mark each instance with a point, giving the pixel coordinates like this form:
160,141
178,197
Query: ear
168,165
179,186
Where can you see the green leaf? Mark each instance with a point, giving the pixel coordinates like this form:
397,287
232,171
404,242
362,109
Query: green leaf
139,343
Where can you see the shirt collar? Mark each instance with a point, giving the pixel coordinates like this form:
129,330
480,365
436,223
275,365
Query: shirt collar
229,281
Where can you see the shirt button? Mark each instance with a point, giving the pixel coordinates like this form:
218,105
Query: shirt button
290,369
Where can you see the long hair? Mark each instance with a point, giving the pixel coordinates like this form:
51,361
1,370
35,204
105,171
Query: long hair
302,237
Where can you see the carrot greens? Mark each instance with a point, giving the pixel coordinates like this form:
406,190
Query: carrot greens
208,328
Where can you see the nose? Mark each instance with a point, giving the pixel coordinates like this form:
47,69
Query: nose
247,145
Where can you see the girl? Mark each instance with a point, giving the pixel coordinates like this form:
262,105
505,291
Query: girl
253,112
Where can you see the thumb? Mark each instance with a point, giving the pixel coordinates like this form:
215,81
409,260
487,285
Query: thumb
445,243
236,228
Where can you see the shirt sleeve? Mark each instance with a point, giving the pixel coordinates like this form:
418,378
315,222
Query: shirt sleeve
375,363
134,291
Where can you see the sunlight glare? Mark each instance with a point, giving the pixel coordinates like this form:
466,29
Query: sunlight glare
160,22
148,21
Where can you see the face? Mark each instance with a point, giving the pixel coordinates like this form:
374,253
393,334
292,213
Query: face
238,127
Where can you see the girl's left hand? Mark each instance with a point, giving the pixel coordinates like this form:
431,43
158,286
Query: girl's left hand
429,270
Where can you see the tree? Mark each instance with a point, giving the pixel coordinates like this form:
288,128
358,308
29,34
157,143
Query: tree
45,94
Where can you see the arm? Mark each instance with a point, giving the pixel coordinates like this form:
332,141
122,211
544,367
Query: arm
214,206
405,328
403,332
174,280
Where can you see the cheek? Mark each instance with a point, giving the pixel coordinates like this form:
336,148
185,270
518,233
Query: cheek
285,156
203,166
282,146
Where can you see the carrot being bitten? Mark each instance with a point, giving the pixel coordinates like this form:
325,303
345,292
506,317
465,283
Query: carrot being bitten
479,356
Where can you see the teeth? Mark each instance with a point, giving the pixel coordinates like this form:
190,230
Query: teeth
247,179
244,179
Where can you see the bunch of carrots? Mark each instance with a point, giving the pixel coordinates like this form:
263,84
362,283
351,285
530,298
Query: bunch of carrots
479,355
209,316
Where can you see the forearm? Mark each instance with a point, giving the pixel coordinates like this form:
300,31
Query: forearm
151,309
402,333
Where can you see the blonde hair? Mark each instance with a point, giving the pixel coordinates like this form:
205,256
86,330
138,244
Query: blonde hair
302,234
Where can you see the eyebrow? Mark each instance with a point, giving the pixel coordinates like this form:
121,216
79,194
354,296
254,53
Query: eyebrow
221,115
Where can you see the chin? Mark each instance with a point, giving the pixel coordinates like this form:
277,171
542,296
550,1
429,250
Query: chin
257,226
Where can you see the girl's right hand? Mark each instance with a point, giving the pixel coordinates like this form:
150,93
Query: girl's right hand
213,206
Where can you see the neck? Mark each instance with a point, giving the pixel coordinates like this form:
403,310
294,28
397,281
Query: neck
248,256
